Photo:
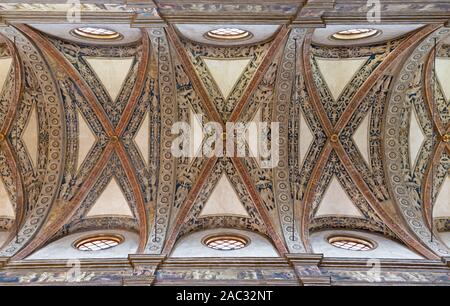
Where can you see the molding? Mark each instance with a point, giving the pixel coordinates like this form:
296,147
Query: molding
312,14
137,260
225,262
304,258
298,269
387,263
61,264
4,261
144,268
306,267
143,21
446,261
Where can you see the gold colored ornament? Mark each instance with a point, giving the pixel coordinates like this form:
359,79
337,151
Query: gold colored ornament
446,138
334,138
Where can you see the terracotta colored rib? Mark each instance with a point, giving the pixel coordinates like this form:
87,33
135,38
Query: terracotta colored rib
192,75
95,173
138,85
428,183
326,151
387,218
429,94
305,213
130,173
18,88
6,146
279,244
214,115
189,203
11,160
311,86
259,74
69,207
393,224
380,71
59,59
130,170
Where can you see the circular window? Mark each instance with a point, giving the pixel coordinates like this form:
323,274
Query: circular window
353,34
98,243
228,34
351,243
226,242
96,33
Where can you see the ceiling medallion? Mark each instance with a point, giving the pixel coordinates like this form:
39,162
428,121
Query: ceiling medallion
334,138
96,33
114,138
228,34
446,138
355,34
226,242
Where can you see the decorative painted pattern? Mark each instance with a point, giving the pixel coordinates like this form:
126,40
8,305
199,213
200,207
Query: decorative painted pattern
405,92
167,167
54,139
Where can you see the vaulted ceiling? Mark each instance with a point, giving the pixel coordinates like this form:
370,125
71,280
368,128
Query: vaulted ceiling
85,126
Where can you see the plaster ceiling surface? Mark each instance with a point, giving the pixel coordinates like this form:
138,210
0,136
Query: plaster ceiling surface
195,32
3,237
388,32
86,139
336,202
226,73
63,31
64,247
446,238
338,73
385,248
5,66
30,136
111,202
443,75
89,133
142,139
6,208
224,201
112,72
361,139
193,246
306,137
442,205
416,137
